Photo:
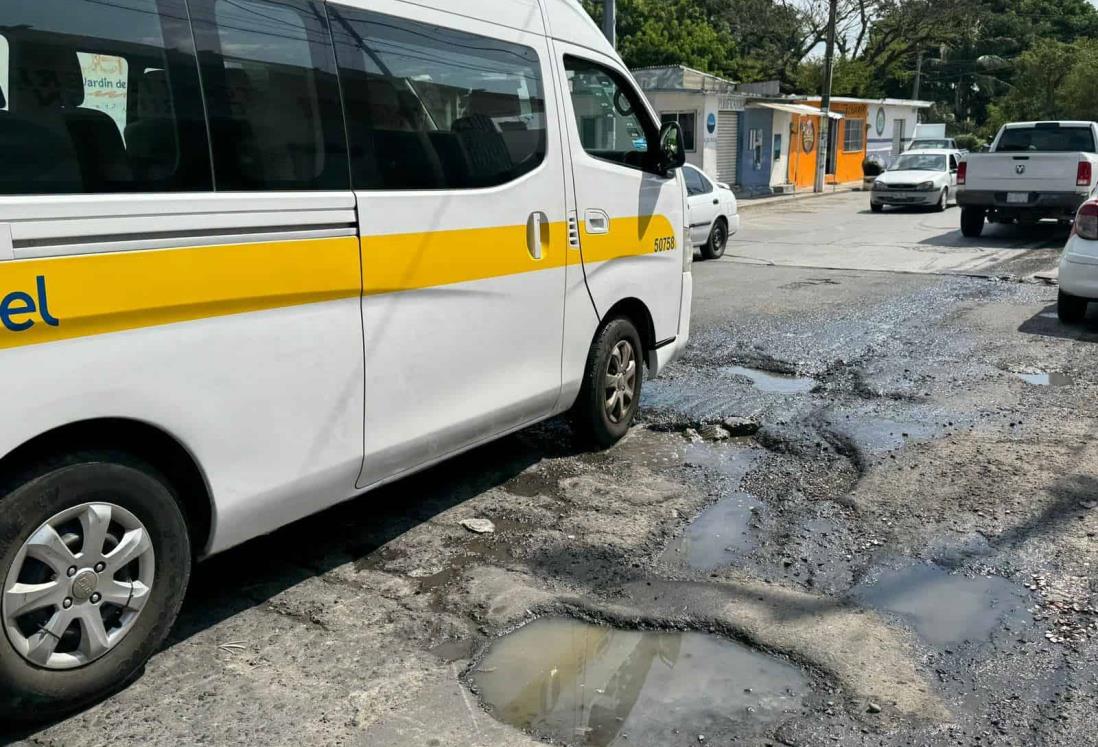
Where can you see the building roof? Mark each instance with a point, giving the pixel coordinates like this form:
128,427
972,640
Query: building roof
913,103
681,78
792,108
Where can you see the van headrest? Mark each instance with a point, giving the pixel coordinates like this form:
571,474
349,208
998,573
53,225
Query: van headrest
49,77
494,104
154,98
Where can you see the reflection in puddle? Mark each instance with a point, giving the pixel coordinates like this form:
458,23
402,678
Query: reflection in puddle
768,381
1042,378
584,684
731,461
877,435
945,608
719,534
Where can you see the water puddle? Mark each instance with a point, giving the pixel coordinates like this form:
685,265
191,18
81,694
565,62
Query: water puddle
583,684
1042,378
879,435
946,608
769,381
719,535
730,460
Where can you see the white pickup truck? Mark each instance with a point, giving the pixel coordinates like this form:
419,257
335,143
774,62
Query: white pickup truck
1033,171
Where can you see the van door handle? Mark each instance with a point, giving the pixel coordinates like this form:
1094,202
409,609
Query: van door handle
535,228
596,221
7,246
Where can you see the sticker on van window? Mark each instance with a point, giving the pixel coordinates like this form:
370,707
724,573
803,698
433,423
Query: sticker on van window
641,144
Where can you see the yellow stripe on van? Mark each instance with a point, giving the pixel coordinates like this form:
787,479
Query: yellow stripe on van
46,300
99,293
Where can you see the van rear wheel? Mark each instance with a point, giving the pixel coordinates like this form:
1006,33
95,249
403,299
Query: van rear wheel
94,561
610,395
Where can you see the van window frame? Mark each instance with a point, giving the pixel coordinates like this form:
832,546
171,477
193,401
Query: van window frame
640,108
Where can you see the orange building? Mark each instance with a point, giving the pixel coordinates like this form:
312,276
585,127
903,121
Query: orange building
847,136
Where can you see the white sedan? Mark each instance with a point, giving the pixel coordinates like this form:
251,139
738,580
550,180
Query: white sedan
712,211
925,178
1079,265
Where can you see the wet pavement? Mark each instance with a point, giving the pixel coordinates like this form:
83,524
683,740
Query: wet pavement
903,552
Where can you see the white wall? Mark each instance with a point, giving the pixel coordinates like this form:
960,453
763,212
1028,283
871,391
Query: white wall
880,142
780,172
684,101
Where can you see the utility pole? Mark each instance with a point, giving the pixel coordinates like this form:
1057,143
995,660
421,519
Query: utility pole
918,75
610,21
822,150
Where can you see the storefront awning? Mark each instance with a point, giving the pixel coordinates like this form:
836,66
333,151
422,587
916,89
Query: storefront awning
794,109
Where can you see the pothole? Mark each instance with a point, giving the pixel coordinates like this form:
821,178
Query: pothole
730,461
880,435
720,534
769,381
946,608
1044,378
583,684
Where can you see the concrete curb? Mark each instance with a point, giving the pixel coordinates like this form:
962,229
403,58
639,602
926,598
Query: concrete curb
763,202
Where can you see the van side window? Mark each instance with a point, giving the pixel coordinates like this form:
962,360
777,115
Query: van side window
613,125
75,113
268,73
434,108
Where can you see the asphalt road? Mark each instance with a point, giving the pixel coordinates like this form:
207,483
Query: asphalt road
903,553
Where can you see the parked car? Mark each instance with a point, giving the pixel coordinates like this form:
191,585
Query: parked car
1033,171
713,213
935,143
924,178
1079,265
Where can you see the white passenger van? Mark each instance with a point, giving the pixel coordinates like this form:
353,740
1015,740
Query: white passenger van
260,256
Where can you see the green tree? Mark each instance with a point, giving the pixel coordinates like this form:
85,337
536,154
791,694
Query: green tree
1052,80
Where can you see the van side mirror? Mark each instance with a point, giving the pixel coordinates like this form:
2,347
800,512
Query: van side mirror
672,153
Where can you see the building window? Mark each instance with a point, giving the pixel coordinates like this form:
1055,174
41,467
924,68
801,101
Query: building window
853,135
755,145
688,121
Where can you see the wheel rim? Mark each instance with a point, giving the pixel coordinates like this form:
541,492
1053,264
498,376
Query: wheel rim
621,382
718,238
78,585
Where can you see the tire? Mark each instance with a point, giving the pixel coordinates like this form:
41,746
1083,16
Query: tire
137,497
1071,309
718,240
943,201
972,222
591,415
876,207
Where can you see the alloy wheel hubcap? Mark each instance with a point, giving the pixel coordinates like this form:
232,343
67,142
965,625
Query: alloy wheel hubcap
620,383
78,585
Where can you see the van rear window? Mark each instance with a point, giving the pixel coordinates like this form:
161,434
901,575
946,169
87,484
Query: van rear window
436,108
1047,139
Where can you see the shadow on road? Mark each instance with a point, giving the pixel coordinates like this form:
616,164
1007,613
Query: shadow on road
252,574
1046,324
1001,236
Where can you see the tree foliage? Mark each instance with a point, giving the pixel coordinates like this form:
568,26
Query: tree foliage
982,61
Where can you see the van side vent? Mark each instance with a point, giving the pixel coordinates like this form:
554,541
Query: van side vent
573,230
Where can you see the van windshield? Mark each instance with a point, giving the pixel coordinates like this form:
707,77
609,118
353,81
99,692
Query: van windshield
1047,138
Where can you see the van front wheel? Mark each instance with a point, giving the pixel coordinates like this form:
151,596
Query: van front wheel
610,395
94,561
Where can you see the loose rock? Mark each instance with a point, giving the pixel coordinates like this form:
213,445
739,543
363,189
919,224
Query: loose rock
479,526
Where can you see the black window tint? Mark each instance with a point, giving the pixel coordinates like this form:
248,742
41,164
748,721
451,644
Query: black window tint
694,185
1047,138
434,108
612,121
268,72
688,121
99,97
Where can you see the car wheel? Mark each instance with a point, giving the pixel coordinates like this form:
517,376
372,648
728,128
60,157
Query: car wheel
972,222
1071,309
876,207
718,240
610,395
94,561
943,201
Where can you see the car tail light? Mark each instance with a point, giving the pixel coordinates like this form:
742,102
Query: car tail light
1086,222
962,172
1084,174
